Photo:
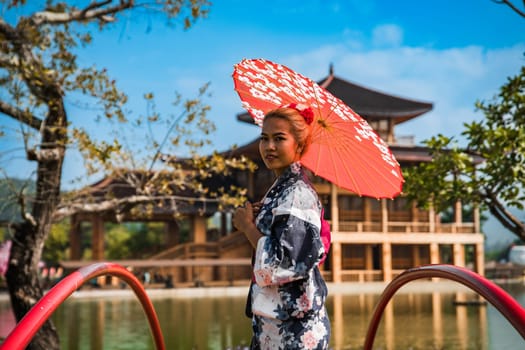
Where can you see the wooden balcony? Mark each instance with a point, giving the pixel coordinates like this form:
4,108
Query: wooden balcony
404,227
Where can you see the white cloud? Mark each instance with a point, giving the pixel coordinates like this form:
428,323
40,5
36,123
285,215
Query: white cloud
453,79
387,35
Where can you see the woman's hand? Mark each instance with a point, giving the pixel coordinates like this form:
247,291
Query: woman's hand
243,217
243,220
256,207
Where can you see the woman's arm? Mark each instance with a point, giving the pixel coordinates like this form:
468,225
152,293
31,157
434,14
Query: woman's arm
243,221
294,246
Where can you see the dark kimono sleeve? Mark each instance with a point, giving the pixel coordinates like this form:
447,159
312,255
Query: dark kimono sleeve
294,246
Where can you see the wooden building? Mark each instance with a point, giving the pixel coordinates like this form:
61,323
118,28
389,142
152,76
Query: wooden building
375,240
372,240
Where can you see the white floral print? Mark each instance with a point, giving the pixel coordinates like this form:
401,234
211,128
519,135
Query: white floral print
287,296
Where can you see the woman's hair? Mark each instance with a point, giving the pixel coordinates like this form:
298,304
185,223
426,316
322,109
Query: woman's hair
298,126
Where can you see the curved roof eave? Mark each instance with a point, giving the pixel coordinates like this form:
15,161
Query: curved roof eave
368,103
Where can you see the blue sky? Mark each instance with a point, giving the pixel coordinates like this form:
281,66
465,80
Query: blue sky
450,53
445,52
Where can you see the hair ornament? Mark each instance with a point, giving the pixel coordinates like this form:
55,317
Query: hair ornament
304,110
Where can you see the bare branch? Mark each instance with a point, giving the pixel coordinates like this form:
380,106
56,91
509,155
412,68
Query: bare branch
20,115
505,217
117,203
95,10
512,6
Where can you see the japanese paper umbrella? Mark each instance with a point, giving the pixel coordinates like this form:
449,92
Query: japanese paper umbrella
345,150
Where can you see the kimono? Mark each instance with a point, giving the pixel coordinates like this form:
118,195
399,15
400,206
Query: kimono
287,295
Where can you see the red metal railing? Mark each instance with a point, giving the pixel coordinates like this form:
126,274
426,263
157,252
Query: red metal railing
22,334
24,331
508,306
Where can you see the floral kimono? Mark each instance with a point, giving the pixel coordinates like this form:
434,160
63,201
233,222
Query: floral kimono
287,296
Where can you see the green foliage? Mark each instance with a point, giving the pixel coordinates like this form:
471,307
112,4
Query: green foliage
57,243
135,240
117,242
490,171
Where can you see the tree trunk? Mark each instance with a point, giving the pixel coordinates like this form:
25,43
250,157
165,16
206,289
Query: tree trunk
23,283
28,241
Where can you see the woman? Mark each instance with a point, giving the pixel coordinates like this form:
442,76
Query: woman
287,295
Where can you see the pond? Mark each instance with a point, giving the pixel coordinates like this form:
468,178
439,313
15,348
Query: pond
428,320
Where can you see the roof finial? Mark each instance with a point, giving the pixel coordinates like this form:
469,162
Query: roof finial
331,69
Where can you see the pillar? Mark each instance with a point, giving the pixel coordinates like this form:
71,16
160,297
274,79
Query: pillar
171,233
477,224
75,238
458,251
336,262
458,213
479,259
97,243
367,210
384,216
431,219
199,229
369,258
416,259
334,208
387,261
434,253
434,256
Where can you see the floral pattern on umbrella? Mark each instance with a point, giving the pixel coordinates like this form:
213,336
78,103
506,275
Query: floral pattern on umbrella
345,149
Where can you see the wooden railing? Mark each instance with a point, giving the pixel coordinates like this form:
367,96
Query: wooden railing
404,227
361,276
189,251
232,240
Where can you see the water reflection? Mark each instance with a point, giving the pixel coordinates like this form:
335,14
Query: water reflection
411,321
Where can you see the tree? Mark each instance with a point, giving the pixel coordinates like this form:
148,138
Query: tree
490,171
39,68
511,4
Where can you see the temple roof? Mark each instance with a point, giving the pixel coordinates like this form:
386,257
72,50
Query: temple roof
405,155
368,103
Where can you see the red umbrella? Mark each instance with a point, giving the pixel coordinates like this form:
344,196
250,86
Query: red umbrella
345,150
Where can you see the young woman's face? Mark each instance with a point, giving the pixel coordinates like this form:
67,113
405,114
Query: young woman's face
278,146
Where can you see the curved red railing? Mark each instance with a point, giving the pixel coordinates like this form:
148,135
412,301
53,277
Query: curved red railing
495,295
24,331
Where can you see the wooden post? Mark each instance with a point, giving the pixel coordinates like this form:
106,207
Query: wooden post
416,259
384,216
477,225
367,210
431,219
369,265
199,229
97,244
458,214
171,233
387,261
459,254
334,208
75,235
434,253
434,256
336,262
480,259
